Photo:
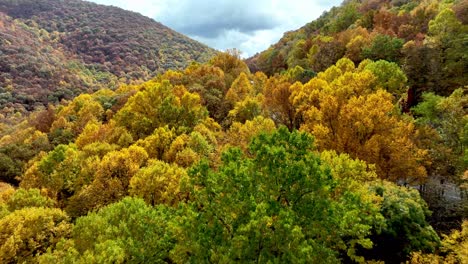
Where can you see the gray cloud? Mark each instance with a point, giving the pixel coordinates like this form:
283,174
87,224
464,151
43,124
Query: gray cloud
219,23
210,18
248,25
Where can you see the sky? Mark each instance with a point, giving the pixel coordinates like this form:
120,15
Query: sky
250,26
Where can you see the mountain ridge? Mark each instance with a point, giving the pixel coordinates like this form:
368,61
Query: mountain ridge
105,44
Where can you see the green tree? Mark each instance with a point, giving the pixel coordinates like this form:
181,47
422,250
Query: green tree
57,171
389,77
448,34
350,174
405,228
448,117
297,56
9,168
17,149
275,206
423,67
384,47
347,15
129,231
23,198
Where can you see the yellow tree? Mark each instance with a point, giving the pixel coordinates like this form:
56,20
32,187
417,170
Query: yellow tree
78,113
369,130
247,109
231,64
240,89
105,133
454,249
158,183
160,104
259,79
158,143
29,232
111,180
276,102
351,174
343,110
354,39
240,134
186,150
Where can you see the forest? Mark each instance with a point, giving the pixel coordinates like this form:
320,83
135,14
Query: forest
343,142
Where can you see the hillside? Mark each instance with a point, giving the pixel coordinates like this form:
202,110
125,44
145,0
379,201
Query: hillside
52,50
427,39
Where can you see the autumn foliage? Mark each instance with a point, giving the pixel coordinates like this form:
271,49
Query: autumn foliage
324,157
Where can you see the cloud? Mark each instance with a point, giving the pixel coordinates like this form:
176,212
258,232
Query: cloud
220,23
210,18
250,26
248,44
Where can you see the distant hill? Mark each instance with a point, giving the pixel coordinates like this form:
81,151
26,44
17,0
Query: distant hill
50,50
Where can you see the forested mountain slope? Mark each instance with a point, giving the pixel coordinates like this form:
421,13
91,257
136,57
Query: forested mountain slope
52,50
428,39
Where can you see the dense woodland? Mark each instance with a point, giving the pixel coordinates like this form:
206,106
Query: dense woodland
337,144
52,50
